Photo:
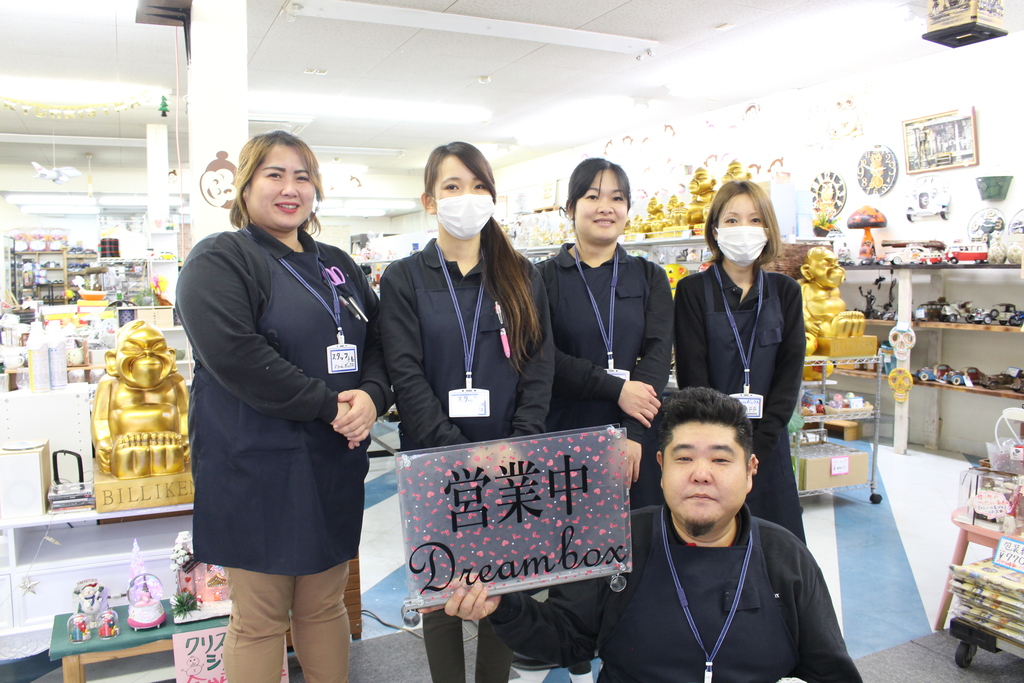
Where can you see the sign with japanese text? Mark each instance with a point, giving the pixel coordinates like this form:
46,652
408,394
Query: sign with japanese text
1010,554
514,514
198,657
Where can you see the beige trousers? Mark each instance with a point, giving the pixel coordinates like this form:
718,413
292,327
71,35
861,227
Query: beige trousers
260,603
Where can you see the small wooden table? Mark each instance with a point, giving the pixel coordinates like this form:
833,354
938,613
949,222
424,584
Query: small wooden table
128,643
969,533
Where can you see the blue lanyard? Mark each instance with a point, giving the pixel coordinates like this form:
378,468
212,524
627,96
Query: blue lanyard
608,335
681,594
745,357
336,312
468,346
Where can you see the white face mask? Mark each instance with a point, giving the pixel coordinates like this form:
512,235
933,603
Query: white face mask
466,215
742,244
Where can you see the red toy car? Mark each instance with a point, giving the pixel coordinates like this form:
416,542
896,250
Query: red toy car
972,253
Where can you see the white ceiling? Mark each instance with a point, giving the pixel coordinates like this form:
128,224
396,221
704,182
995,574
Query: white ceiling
776,45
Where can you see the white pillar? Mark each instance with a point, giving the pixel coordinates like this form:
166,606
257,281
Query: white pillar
218,117
905,310
161,234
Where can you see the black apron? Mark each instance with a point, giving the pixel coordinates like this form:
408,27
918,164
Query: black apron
653,642
273,495
576,333
444,364
774,495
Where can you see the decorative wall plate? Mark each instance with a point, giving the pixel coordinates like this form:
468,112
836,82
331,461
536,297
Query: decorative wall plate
829,191
1016,223
877,170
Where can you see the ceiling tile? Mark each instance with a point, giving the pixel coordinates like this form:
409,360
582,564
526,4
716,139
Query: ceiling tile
680,22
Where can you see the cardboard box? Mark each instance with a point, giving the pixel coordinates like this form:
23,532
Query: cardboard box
947,15
24,478
849,468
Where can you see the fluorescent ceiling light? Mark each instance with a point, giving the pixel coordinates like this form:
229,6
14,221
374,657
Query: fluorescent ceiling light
353,213
134,200
362,108
50,199
459,23
59,210
350,169
60,9
80,140
66,92
327,151
359,205
293,123
563,122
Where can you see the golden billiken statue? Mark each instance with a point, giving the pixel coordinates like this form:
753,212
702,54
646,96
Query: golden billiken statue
140,414
831,330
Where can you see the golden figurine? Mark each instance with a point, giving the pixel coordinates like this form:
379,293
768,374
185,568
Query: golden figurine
140,414
655,216
702,188
676,216
831,330
736,171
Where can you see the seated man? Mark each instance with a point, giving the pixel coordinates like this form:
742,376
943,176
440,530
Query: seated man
715,594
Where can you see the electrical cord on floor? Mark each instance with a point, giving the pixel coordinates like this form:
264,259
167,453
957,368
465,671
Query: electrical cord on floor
416,632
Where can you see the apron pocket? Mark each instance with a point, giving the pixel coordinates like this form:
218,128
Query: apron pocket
258,432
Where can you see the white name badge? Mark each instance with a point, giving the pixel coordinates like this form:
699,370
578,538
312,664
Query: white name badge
621,374
342,358
754,403
469,403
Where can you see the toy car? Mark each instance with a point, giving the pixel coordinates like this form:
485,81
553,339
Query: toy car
974,315
928,252
937,311
974,253
936,374
1003,380
1003,313
929,197
1018,385
958,377
1017,319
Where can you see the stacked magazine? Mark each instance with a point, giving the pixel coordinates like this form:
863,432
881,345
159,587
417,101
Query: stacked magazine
991,597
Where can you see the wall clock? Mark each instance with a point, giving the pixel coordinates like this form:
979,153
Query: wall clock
829,190
877,170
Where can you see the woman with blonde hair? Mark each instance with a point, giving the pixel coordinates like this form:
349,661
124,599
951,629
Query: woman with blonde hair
740,330
289,377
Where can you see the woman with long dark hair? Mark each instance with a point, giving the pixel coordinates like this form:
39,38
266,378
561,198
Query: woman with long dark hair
466,332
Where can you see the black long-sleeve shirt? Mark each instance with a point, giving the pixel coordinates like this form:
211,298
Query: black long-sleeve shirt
422,414
579,378
693,354
578,618
224,288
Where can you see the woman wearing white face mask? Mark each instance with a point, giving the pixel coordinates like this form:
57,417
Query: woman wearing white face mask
740,330
468,313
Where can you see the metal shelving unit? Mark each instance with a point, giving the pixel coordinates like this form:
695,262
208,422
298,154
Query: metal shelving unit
827,449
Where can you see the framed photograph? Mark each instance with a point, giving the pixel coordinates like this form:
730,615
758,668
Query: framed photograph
940,141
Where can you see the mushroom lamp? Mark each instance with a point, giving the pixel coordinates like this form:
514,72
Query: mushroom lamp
865,218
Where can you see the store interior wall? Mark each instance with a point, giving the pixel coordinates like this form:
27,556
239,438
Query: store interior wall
791,125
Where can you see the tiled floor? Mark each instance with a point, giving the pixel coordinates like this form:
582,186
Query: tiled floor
885,564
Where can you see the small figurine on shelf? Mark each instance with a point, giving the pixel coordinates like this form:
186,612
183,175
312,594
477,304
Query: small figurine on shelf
78,628
108,625
90,598
702,189
145,609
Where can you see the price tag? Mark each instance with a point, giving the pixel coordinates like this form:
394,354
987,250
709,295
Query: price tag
754,403
840,465
857,402
1017,453
469,403
1010,554
342,358
967,381
621,374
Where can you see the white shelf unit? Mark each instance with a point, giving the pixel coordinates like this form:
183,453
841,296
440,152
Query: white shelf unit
81,549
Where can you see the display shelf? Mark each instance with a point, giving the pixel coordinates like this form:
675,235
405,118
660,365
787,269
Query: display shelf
967,326
996,393
828,417
96,544
86,516
937,266
869,374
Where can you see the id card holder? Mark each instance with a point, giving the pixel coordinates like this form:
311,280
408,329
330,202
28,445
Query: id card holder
754,403
469,403
621,374
342,358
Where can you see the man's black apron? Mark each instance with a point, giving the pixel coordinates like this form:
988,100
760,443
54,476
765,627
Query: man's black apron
653,642
273,495
774,495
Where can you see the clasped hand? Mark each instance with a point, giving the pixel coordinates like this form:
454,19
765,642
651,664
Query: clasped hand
356,414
